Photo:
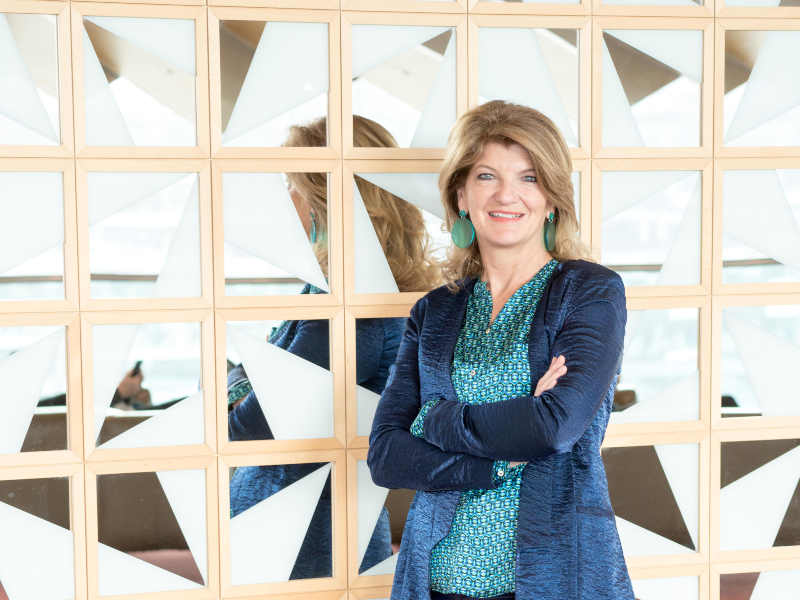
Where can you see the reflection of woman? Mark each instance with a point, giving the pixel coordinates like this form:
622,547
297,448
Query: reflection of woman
400,229
503,384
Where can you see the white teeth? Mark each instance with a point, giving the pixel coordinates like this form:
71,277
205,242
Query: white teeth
504,216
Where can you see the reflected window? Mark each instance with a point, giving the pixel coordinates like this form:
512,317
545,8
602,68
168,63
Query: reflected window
753,253
33,389
761,108
766,584
651,229
140,81
274,75
35,514
152,532
652,91
404,78
281,523
548,58
31,236
660,378
148,387
30,111
760,349
144,235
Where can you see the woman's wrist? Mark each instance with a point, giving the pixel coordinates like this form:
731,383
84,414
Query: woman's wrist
418,424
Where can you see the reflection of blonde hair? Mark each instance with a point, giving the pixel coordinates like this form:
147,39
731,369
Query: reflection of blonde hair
508,123
399,224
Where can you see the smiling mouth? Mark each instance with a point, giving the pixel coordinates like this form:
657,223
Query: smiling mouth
504,215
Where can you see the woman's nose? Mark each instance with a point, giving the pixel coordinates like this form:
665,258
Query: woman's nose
505,193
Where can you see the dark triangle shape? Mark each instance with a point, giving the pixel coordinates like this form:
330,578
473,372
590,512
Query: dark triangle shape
640,493
737,586
742,458
3,595
47,498
135,517
238,41
789,532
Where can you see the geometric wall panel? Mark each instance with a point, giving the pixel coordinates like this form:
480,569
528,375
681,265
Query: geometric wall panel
685,588
759,586
374,542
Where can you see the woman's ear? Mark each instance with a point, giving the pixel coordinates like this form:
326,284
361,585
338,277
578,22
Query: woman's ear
462,203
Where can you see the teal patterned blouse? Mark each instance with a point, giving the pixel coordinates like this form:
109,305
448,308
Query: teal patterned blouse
490,364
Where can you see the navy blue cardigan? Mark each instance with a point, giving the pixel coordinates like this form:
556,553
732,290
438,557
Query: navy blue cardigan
567,542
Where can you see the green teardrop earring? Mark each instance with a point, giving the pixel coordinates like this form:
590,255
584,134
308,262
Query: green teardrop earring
463,232
549,234
313,233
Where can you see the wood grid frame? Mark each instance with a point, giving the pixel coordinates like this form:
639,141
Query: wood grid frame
82,462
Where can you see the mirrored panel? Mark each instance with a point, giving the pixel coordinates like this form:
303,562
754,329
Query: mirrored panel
655,495
36,526
404,79
281,523
759,499
685,588
660,378
398,237
533,1
761,3
754,253
539,68
29,113
657,2
33,389
382,517
752,586
273,75
140,81
276,233
652,82
760,350
144,235
148,385
31,266
651,229
152,532
761,107
280,385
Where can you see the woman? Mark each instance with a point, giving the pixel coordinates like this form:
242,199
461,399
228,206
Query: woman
401,231
499,400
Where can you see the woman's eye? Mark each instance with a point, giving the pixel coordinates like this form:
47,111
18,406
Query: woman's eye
530,178
485,176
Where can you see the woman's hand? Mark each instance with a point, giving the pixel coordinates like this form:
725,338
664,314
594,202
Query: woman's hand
557,369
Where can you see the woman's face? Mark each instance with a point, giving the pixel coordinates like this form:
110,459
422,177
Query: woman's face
503,199
302,207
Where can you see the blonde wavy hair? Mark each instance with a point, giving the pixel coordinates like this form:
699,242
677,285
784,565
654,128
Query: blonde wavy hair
508,123
400,225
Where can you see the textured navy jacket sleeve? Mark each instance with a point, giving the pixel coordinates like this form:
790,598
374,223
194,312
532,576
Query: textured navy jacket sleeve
396,458
532,427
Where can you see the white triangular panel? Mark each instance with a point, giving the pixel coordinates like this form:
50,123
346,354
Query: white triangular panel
751,509
373,45
774,84
121,574
266,539
110,193
680,401
370,504
680,49
781,240
292,411
504,52
420,189
638,541
682,265
753,3
29,201
290,57
171,40
672,588
776,584
179,425
111,345
186,494
31,543
372,272
19,99
439,114
681,464
625,189
180,273
385,567
22,378
260,219
619,125
631,326
367,404
771,364
105,125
